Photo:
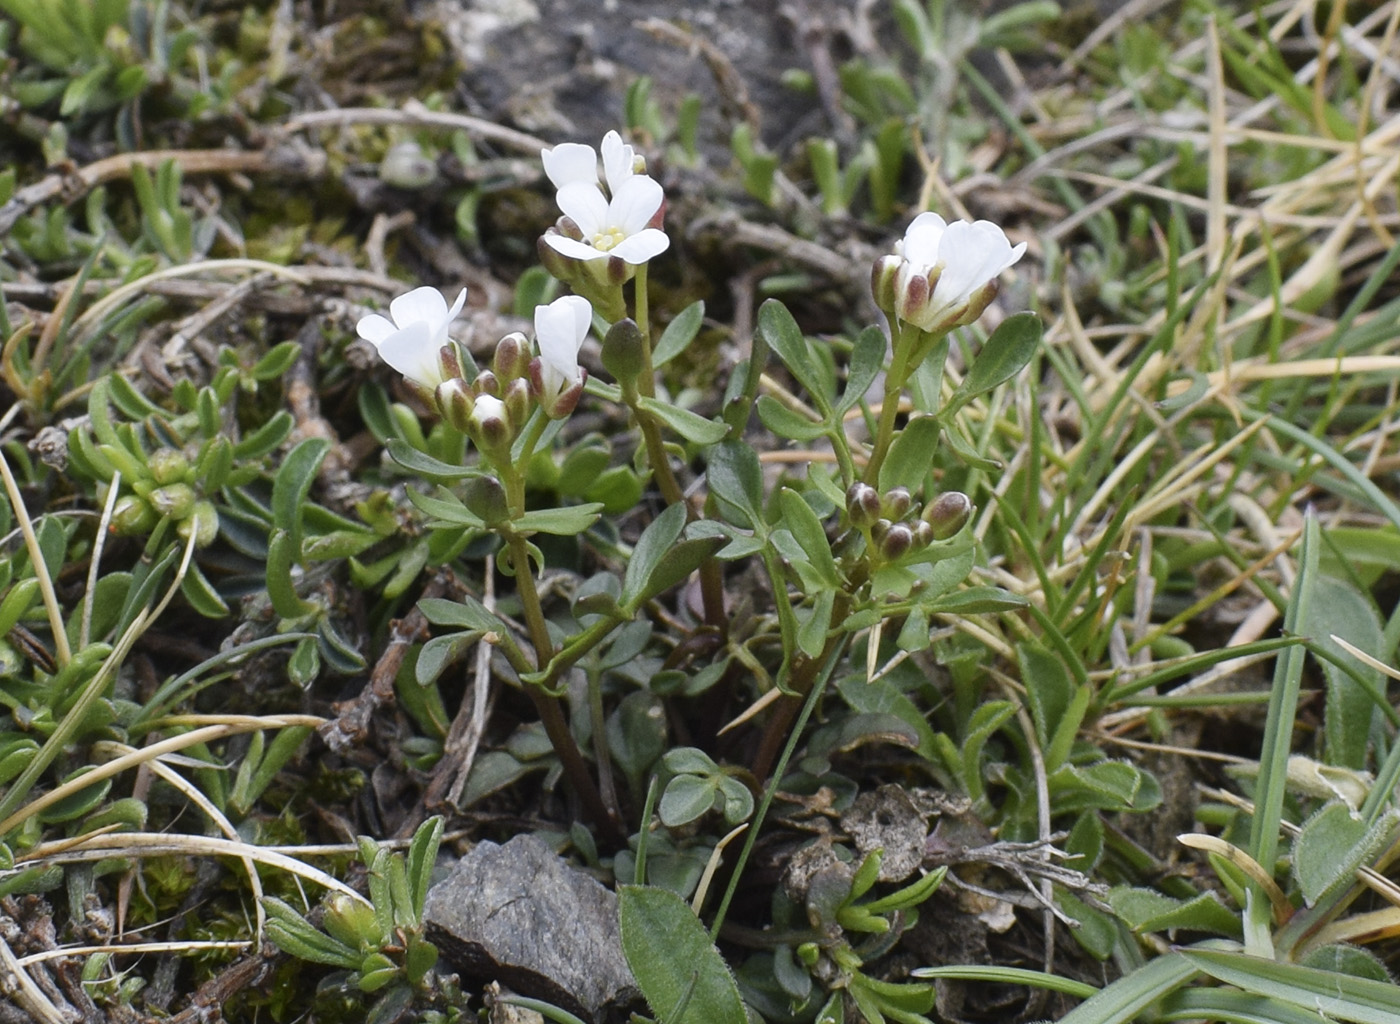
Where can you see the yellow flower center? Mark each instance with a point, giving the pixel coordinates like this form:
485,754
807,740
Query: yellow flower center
608,238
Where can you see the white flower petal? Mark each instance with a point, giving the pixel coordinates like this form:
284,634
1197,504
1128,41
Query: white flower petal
411,351
440,334
422,305
972,254
560,334
573,248
375,328
922,239
635,204
570,163
642,246
586,206
619,159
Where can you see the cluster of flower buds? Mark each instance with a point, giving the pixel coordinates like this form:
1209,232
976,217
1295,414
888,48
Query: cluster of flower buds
167,493
602,236
942,275
494,405
897,527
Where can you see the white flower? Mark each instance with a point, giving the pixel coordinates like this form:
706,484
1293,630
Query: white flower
943,275
573,162
620,227
560,329
411,338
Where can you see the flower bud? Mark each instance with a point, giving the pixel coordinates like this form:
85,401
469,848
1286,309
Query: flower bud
352,921
559,266
884,283
923,533
978,302
512,357
175,501
450,361
879,528
406,166
948,514
203,521
862,504
897,542
486,383
454,401
896,503
517,400
624,350
485,496
132,515
167,466
489,425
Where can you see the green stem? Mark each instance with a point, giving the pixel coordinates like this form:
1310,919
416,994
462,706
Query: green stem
895,380
548,707
648,375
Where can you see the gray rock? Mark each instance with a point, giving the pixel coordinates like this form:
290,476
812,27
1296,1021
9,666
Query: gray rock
519,914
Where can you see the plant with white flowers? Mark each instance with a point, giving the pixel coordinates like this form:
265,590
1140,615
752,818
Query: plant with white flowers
856,543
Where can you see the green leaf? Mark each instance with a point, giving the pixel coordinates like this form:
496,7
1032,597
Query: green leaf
266,437
281,556
814,624
292,484
679,333
201,595
279,360
686,798
1146,910
786,423
911,455
562,522
1338,996
736,484
1331,846
293,934
1339,608
1226,1004
422,856
1048,686
412,459
1010,348
689,425
867,358
447,508
783,336
799,519
674,961
658,538
465,613
1123,1000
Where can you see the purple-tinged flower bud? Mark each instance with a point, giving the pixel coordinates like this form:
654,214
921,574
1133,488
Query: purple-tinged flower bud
862,504
455,401
489,426
486,383
923,533
485,496
512,357
896,503
884,283
879,528
897,542
450,361
624,350
948,514
559,266
517,400
168,466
